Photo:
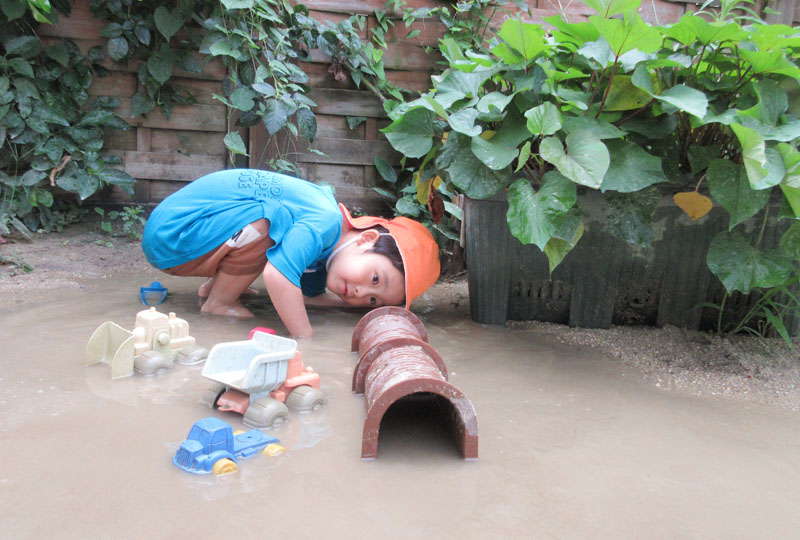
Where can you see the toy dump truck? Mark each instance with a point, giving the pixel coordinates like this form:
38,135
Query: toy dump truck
156,342
261,378
212,446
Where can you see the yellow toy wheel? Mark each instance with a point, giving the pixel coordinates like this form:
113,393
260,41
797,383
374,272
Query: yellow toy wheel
225,466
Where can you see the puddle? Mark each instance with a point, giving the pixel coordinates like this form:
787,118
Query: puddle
572,445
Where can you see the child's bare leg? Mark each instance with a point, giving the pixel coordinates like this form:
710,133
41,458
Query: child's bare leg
224,292
205,288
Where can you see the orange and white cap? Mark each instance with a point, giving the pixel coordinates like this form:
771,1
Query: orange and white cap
418,249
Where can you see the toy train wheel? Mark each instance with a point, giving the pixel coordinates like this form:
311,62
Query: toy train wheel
225,466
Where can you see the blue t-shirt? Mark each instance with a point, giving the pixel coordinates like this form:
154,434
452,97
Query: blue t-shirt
304,221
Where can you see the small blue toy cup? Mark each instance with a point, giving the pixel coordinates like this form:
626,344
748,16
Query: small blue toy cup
153,295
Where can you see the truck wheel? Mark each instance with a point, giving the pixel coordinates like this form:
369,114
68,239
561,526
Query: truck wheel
266,412
225,466
306,398
210,396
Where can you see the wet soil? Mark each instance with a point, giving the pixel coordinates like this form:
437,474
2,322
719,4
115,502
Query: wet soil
621,433
742,367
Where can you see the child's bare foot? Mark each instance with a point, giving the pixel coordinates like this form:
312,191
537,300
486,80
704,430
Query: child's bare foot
235,309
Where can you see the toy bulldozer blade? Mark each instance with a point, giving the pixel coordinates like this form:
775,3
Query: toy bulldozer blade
112,345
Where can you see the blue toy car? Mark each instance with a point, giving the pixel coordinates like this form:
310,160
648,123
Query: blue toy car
211,446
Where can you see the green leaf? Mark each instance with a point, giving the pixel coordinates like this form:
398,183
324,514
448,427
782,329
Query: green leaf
263,88
631,168
524,156
238,4
608,8
31,178
772,102
500,150
454,85
791,164
628,34
585,162
58,52
680,96
526,39
740,267
463,121
160,67
117,48
84,184
412,133
544,119
470,174
534,217
275,115
792,198
596,128
141,104
754,156
407,206
728,185
307,122
235,144
12,9
354,121
21,66
23,46
564,239
385,170
242,99
167,23
763,62
790,241
630,215
624,96
495,102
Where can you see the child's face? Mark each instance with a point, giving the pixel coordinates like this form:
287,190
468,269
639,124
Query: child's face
363,278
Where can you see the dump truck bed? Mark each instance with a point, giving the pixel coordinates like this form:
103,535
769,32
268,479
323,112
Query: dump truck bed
252,366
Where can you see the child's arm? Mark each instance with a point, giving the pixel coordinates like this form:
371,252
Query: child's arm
288,301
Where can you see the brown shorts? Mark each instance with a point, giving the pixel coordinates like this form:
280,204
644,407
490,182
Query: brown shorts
245,253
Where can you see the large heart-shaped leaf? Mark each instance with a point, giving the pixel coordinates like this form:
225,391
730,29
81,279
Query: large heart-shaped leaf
631,168
470,174
275,115
526,39
498,151
412,133
585,161
544,119
535,216
741,267
564,239
729,186
167,23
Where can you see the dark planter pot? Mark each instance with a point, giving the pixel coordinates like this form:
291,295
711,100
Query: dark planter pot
604,280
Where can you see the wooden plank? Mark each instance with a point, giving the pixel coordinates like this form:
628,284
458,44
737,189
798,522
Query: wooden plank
120,140
400,56
184,117
335,127
188,142
350,152
143,138
117,84
172,166
161,189
788,9
346,102
334,174
80,23
335,18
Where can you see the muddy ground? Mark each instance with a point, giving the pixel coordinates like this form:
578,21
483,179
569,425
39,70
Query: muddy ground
737,367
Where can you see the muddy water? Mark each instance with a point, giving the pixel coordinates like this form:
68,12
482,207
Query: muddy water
571,444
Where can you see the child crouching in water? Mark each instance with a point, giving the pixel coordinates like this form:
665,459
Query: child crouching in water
234,225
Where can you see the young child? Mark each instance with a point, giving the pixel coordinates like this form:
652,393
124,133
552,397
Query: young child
233,225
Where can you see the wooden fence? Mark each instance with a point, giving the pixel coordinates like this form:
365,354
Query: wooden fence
164,153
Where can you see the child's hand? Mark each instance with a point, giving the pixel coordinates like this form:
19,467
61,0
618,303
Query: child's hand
288,301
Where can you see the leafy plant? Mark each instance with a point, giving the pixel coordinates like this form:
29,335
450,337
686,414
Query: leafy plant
632,110
51,132
128,222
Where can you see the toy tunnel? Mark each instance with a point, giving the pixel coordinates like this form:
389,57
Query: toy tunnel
395,362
